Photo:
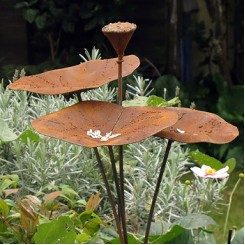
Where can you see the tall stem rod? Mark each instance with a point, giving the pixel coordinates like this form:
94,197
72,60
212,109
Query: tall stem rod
108,189
159,180
116,180
120,95
121,179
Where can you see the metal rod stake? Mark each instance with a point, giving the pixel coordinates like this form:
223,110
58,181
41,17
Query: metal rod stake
121,179
120,95
116,180
159,180
118,224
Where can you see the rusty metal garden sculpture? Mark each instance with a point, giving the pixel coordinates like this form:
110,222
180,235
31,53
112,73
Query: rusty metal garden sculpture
96,123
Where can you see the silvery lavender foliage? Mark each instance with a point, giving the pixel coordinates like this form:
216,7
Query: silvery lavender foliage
177,198
103,93
142,87
51,161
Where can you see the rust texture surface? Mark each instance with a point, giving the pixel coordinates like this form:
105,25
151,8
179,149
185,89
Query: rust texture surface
119,35
126,125
84,76
198,126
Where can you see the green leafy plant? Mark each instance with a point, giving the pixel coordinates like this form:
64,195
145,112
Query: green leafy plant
53,161
56,217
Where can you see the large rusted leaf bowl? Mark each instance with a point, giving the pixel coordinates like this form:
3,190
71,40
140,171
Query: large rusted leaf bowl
75,123
195,126
84,76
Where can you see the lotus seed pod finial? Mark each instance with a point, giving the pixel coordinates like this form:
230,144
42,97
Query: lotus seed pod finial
119,35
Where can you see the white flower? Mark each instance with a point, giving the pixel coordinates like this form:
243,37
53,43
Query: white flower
208,172
97,135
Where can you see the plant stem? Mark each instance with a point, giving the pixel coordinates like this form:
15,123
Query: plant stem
159,180
229,205
119,229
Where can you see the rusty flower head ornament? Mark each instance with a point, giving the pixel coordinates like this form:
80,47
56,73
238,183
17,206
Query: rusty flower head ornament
119,35
195,126
87,75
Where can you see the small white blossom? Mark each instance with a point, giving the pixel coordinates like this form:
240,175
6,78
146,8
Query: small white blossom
97,135
208,172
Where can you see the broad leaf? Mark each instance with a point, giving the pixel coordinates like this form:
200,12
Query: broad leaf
34,137
92,226
239,237
169,235
83,237
4,209
57,231
93,202
195,221
51,196
203,159
131,240
85,216
159,228
154,100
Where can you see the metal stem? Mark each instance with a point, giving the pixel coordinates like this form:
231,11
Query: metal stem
121,179
229,236
121,171
117,184
118,224
159,180
119,62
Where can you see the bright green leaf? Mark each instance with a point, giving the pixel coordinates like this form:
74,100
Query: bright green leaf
203,159
4,209
57,231
29,134
6,183
231,163
154,100
85,216
67,190
82,238
92,226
